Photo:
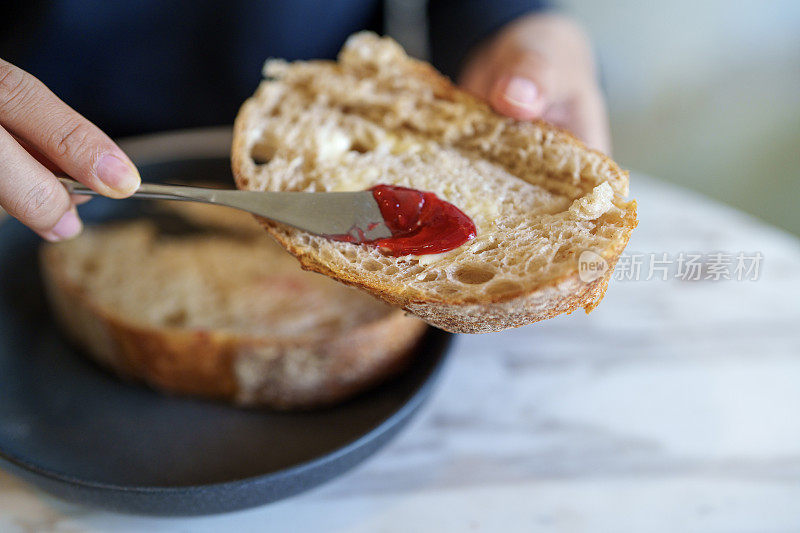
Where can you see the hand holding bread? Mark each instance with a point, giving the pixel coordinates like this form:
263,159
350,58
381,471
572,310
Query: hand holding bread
541,67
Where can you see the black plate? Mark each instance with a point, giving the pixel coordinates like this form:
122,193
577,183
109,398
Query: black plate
79,433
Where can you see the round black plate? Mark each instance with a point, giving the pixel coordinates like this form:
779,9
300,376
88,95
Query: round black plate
79,433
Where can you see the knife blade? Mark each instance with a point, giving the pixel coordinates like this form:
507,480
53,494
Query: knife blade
354,214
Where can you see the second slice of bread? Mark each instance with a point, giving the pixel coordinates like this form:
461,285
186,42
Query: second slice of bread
538,197
202,302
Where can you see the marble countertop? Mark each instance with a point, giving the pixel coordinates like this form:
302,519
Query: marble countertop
672,407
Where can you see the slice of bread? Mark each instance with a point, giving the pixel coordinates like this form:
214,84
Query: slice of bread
538,197
203,302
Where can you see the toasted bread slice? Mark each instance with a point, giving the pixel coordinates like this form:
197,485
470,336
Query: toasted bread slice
205,303
538,197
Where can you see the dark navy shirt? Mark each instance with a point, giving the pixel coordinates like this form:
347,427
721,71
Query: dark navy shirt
148,65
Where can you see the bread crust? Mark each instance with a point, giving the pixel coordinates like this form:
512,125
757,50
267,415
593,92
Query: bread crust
455,314
249,371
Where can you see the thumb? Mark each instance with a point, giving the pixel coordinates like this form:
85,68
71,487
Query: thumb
522,87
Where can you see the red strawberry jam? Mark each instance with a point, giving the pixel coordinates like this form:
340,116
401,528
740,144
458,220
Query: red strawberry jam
421,222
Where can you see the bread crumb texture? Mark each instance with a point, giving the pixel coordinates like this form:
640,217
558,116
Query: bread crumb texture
537,196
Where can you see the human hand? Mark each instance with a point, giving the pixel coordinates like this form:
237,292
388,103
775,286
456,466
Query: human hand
541,66
40,134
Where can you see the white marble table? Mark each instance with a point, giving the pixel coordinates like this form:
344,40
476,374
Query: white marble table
675,406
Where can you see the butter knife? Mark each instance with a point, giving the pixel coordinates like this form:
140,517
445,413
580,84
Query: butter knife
355,214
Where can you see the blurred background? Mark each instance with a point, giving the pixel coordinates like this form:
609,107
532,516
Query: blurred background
701,93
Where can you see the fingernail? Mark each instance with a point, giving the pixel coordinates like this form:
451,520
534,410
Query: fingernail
521,92
67,227
118,174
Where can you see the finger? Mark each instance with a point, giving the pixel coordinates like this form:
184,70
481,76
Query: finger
32,194
586,118
477,74
75,145
474,81
37,155
523,86
78,199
